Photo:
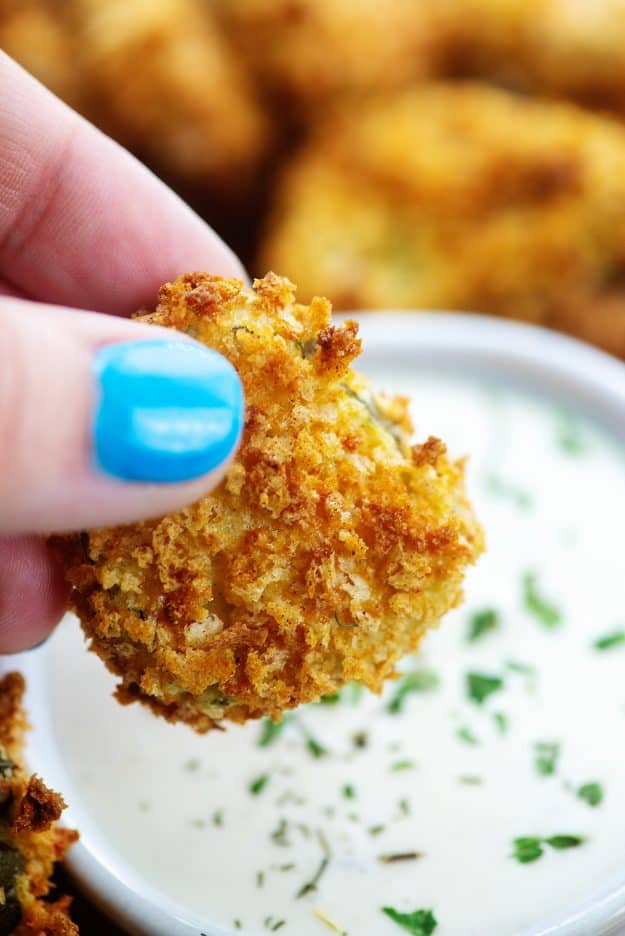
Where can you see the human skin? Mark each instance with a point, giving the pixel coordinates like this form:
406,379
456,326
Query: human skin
83,226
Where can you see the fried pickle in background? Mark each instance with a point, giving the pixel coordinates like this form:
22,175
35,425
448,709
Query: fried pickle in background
330,549
462,197
31,841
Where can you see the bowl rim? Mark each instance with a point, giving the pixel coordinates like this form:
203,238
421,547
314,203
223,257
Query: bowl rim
515,352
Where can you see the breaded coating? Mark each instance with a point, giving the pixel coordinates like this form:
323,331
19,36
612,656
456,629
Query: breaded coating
163,82
326,554
569,48
309,52
462,197
30,839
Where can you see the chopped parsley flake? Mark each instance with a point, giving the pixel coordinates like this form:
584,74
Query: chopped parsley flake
348,792
404,807
465,734
419,922
315,748
420,681
481,685
260,879
376,829
311,885
561,842
543,611
330,699
360,739
403,765
218,817
482,622
569,437
501,722
192,765
270,731
530,848
273,925
470,780
527,848
608,641
547,753
280,834
592,793
516,666
258,785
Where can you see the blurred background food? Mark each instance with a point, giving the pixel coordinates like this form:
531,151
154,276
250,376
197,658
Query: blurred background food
464,154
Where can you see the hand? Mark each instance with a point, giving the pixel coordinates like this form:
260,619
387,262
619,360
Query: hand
84,226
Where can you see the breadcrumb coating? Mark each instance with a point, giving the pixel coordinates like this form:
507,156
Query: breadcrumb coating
164,82
325,555
462,197
566,48
30,839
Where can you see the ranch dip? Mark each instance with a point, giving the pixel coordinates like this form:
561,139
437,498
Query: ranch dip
484,789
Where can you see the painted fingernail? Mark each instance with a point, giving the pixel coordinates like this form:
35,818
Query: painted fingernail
166,411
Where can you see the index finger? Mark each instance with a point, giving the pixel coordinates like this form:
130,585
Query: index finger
83,223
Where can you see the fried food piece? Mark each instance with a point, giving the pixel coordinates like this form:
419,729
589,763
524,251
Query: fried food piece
30,839
462,197
164,83
34,33
329,550
308,52
569,48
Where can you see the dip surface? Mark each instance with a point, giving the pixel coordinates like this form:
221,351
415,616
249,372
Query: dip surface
517,732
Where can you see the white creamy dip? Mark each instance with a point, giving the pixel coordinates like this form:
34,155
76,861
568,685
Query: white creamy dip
445,777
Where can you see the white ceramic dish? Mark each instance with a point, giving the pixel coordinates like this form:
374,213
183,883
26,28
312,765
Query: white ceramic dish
529,357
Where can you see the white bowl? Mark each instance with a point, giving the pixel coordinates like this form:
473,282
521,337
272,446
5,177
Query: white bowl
524,355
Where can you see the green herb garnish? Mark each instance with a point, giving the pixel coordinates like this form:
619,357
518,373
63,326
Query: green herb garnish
419,922
403,765
481,685
315,748
259,784
608,641
482,622
465,734
592,793
271,730
547,753
530,848
331,699
569,436
348,792
516,666
546,613
501,722
419,681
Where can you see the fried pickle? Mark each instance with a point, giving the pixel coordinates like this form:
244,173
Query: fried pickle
309,52
462,197
568,48
31,841
325,555
163,81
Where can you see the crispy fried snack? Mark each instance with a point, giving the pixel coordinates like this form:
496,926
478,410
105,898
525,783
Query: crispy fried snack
329,550
163,81
308,52
30,839
569,48
462,197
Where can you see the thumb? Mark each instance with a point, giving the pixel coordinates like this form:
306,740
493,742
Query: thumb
106,421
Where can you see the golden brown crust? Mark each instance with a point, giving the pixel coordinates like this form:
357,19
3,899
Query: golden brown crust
462,197
31,842
322,558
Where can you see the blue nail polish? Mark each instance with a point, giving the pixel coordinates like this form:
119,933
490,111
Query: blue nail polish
166,411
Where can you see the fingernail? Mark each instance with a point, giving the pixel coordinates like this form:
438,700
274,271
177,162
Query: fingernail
166,411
